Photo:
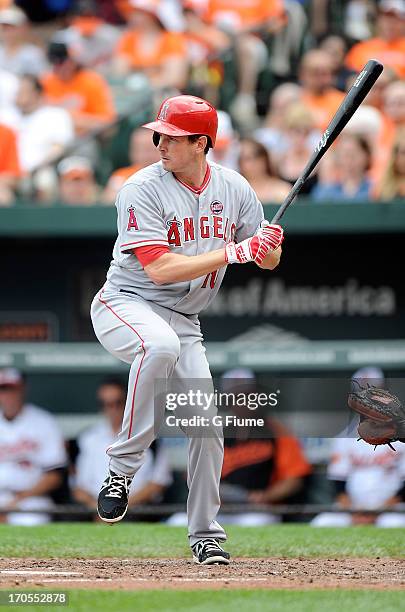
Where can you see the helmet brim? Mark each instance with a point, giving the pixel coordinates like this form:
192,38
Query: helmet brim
166,128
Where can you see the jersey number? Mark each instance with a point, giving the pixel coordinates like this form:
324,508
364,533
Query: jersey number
212,277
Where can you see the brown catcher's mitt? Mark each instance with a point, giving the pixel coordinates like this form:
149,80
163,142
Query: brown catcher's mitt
382,417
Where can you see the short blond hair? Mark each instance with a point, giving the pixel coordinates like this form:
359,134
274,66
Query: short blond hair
299,116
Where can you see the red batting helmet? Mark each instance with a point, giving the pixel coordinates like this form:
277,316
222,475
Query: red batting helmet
185,116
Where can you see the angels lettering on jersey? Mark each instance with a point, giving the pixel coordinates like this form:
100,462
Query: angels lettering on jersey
154,208
184,230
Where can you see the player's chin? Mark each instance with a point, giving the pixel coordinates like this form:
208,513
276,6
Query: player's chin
166,163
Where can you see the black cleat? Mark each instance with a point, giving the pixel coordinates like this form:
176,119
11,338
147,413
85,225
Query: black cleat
208,552
113,498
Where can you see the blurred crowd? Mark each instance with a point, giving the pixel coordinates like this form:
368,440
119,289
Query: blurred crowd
39,469
72,72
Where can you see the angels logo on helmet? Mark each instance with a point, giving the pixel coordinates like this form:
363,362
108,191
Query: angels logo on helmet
163,111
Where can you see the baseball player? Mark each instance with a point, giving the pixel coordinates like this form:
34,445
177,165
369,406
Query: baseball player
365,478
181,221
32,453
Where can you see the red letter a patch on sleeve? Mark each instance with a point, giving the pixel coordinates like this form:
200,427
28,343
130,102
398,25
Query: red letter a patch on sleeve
132,222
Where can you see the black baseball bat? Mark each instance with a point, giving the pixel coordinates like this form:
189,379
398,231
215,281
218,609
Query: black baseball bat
346,110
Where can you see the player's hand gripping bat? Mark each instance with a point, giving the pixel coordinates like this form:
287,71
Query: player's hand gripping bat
346,110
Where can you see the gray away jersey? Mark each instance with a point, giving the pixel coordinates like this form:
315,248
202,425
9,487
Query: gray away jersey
155,208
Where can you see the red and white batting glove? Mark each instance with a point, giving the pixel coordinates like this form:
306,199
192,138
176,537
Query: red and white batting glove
252,249
273,233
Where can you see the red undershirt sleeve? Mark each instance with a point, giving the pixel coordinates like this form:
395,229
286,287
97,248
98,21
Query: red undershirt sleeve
147,254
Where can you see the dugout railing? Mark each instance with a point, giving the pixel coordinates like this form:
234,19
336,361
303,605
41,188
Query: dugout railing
321,356
27,219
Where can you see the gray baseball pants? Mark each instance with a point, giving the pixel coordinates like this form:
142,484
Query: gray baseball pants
159,343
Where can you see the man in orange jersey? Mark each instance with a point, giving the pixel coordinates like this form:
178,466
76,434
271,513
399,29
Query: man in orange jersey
245,16
389,45
262,465
149,47
316,77
84,93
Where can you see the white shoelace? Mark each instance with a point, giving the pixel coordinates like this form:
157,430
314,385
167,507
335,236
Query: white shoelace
209,545
115,484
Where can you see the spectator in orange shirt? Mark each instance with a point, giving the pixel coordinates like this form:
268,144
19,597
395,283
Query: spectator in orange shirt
389,44
202,37
9,165
142,152
84,93
248,21
252,15
316,77
261,465
149,47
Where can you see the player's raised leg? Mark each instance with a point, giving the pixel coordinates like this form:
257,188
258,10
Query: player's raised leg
130,330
